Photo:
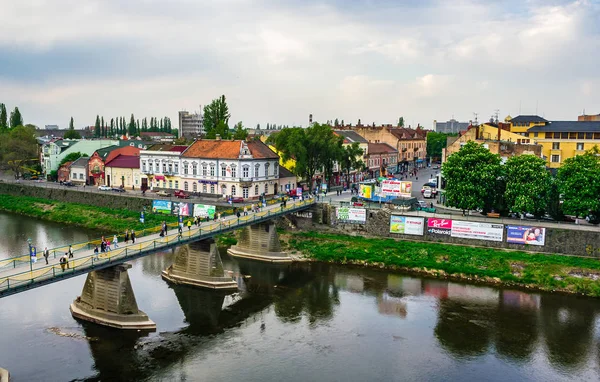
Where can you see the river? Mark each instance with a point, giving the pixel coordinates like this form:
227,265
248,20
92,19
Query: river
302,322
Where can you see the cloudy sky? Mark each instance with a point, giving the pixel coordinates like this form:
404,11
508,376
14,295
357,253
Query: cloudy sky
278,61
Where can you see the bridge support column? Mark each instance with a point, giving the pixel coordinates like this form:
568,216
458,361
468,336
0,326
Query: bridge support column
107,299
259,242
199,264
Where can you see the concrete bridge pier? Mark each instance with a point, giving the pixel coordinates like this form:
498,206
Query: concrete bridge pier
107,299
199,265
260,242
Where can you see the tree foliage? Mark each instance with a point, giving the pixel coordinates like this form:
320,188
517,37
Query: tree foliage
17,147
3,117
216,118
350,158
71,133
239,132
401,122
131,128
15,118
472,176
97,131
72,157
436,142
579,184
527,184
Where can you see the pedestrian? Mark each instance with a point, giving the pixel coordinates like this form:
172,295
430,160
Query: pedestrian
63,262
132,237
165,226
102,246
96,252
245,211
189,225
67,261
107,246
115,241
70,252
180,230
219,216
431,204
46,254
126,236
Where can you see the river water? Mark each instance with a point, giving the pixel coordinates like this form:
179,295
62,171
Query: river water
304,322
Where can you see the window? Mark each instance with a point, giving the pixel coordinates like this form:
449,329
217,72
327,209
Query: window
245,172
579,145
81,176
256,169
212,188
150,166
556,135
195,188
564,135
580,135
245,192
185,168
588,135
232,190
185,186
256,190
535,135
177,185
204,169
204,188
266,189
176,168
164,184
223,170
144,166
555,145
194,168
223,189
212,169
555,158
170,167
572,135
276,169
170,184
164,168
266,169
233,172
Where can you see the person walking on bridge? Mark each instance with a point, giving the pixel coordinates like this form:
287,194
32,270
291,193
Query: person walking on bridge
70,252
132,237
189,225
46,254
126,236
116,241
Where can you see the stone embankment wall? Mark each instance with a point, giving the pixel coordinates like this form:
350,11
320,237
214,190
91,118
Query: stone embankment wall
578,242
107,199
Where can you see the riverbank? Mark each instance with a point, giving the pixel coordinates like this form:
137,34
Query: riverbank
515,268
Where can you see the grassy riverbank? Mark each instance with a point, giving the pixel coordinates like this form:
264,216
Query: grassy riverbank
105,220
546,272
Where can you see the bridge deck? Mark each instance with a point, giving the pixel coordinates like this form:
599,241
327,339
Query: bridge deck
26,276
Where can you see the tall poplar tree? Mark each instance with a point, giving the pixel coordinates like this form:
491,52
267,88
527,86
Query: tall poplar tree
15,118
3,117
131,128
97,131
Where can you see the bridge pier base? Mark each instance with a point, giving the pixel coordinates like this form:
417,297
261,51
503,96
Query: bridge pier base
107,299
199,265
260,242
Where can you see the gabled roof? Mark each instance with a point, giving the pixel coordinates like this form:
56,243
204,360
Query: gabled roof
380,148
81,162
227,149
165,147
407,133
527,119
350,136
568,126
285,173
124,161
103,152
261,151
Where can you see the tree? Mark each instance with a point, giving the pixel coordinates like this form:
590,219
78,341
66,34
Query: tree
71,133
103,126
3,117
336,123
17,147
579,184
527,184
239,132
72,157
97,131
350,159
472,176
131,128
436,143
112,127
258,126
15,118
216,117
358,124
401,122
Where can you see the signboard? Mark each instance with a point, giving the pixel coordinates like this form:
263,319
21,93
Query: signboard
351,215
182,208
366,191
439,226
396,187
142,218
518,234
161,207
406,225
299,192
204,210
477,230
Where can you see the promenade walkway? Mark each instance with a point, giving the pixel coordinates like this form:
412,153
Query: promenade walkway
18,274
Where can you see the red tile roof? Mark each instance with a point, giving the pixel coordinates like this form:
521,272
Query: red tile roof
227,149
124,161
380,148
165,147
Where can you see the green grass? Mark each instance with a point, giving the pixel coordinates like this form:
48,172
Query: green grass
547,272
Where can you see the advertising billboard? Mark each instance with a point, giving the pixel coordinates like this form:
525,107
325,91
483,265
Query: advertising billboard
406,225
439,226
366,191
351,215
518,234
204,211
182,208
161,207
396,187
477,230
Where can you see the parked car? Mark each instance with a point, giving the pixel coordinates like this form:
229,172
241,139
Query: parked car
181,194
69,184
104,188
163,193
428,193
118,189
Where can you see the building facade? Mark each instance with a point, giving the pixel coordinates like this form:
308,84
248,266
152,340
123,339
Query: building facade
79,170
381,159
588,118
522,123
54,151
450,127
191,125
123,171
160,167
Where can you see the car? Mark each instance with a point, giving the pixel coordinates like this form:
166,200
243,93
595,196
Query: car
163,193
436,167
104,188
181,194
237,199
428,193
118,189
69,184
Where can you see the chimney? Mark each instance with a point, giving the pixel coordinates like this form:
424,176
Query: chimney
218,137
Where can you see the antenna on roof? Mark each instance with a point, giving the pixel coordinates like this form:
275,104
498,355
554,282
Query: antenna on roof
475,114
496,112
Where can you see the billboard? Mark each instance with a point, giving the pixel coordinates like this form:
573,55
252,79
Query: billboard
182,208
518,234
204,210
477,230
406,225
439,226
351,215
161,207
366,191
396,187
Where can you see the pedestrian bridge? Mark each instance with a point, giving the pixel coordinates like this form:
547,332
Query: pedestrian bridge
20,274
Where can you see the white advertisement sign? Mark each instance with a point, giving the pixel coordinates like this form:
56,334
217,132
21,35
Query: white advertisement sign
477,230
396,188
351,215
407,225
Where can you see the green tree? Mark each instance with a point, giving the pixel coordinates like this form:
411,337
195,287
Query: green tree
103,126
401,122
336,123
71,133
97,131
579,183
72,157
436,142
131,128
18,147
112,127
15,118
350,159
3,117
472,176
527,184
239,132
216,118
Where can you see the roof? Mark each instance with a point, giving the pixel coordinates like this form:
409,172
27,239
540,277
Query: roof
156,134
125,161
285,173
103,152
228,149
65,165
568,126
407,133
165,147
350,136
380,148
527,119
81,162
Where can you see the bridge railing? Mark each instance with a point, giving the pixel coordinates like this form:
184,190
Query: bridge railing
118,255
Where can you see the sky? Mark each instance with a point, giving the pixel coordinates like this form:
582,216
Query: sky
279,61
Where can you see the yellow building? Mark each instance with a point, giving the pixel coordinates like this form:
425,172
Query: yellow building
123,171
522,123
565,139
289,164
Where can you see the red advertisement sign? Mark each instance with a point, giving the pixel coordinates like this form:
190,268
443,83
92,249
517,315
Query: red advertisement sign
439,226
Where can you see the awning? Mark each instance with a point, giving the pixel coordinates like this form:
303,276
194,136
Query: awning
159,177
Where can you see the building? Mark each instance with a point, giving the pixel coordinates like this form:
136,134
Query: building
450,127
287,180
588,118
507,144
158,136
521,123
381,159
191,125
160,166
63,173
351,137
565,139
56,149
230,168
98,160
79,170
123,171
